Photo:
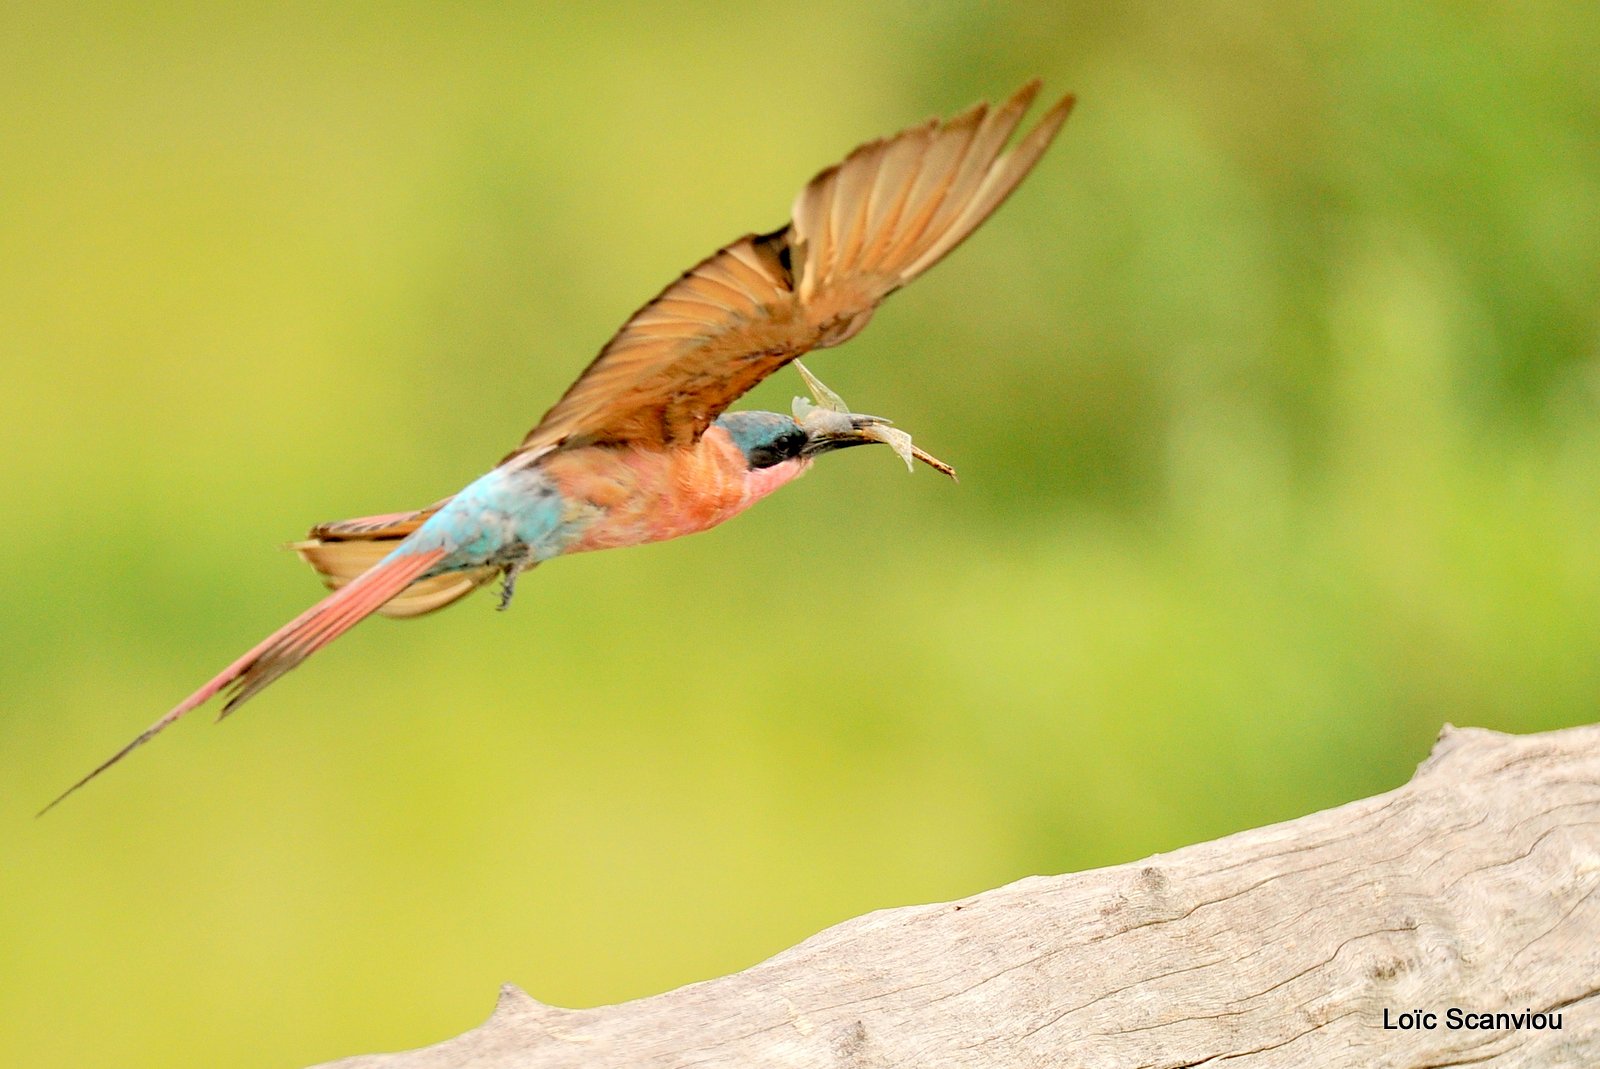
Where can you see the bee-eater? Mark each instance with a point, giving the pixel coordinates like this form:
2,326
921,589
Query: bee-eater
641,448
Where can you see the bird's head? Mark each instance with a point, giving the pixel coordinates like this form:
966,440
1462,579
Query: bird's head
770,438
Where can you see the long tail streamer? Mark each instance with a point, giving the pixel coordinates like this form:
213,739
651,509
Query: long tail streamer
287,647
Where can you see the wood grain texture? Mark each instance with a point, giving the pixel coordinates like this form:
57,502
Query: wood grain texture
1473,886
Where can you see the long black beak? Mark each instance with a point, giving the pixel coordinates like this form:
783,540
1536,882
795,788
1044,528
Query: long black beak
867,430
842,437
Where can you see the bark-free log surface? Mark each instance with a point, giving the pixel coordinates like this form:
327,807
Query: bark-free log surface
1473,887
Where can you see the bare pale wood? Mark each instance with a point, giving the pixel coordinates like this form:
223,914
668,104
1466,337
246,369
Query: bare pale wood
1473,886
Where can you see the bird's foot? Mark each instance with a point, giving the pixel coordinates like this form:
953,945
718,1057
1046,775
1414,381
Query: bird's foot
508,585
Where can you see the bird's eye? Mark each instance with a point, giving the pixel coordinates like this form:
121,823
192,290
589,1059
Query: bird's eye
784,447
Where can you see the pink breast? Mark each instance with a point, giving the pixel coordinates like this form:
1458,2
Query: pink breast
650,495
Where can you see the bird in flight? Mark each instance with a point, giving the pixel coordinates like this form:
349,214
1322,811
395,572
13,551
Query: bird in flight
641,448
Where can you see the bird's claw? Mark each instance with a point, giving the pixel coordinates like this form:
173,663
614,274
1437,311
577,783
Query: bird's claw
508,586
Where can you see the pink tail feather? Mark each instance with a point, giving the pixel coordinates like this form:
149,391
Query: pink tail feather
287,647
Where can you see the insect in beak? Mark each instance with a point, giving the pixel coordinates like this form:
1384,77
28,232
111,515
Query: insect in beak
829,425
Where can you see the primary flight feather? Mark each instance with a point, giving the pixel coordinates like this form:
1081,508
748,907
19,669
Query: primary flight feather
641,447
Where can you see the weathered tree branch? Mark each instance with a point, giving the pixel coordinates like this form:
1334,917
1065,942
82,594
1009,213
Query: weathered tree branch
1472,887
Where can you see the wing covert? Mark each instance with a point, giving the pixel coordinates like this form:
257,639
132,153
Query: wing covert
860,230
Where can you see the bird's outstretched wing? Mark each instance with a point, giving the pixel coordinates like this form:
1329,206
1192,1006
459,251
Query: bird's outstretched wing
860,231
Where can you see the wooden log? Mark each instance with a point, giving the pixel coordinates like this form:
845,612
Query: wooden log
1470,890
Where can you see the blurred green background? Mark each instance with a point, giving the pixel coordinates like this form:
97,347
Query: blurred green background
1274,393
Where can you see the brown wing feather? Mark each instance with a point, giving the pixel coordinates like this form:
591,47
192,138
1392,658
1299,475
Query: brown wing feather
340,561
861,230
390,525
